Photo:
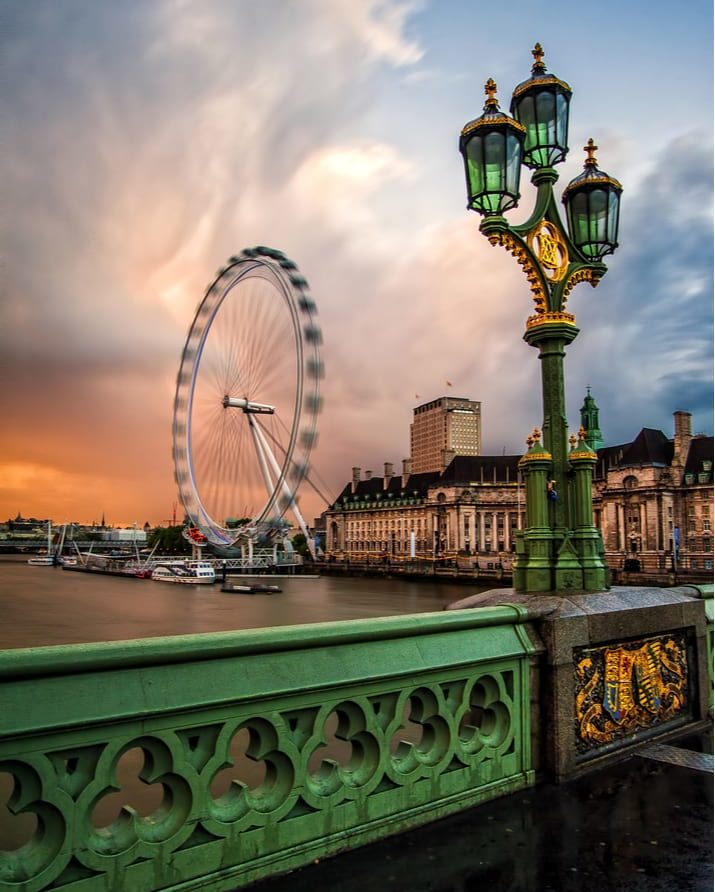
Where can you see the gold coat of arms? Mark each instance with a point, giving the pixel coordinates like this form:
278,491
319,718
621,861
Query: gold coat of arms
624,689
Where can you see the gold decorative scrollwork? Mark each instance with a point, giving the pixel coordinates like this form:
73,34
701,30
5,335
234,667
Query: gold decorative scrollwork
506,240
625,689
581,275
549,246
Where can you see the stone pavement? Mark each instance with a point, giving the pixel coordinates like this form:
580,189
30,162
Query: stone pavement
643,825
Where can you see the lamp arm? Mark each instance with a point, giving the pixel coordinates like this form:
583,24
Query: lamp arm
545,204
498,231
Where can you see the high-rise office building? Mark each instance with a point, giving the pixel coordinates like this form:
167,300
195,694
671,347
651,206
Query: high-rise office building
442,429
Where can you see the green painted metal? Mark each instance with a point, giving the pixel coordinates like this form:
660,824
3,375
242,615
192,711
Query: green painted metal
206,762
573,551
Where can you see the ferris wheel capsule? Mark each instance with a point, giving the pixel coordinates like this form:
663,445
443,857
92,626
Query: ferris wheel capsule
247,397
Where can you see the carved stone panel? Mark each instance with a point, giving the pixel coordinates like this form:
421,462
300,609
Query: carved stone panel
625,690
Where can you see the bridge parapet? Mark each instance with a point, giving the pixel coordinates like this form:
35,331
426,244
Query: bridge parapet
206,762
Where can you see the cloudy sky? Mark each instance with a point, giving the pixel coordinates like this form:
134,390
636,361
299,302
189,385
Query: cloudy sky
147,141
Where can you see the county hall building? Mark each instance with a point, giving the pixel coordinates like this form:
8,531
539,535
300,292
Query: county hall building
652,498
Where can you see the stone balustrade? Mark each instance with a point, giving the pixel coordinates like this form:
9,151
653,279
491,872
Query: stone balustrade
205,762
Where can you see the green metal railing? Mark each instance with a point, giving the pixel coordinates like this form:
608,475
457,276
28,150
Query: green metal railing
205,762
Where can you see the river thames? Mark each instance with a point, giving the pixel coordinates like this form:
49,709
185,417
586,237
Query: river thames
47,605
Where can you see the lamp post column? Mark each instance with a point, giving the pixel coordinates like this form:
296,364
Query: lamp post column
551,339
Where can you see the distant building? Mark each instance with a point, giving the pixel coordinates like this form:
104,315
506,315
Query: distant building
652,501
442,429
128,534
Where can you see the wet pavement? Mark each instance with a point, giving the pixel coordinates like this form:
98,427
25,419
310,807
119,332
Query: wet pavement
643,825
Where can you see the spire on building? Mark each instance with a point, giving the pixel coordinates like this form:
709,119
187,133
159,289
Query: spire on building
589,421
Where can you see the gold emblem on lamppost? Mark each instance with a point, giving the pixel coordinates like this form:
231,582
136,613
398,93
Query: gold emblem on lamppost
548,245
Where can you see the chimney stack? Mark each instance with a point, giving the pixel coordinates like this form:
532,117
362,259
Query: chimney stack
389,474
406,471
356,479
682,438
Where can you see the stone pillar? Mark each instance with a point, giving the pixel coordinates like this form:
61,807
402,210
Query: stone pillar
586,538
532,568
620,528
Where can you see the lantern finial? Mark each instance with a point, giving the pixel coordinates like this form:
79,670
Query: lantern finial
538,67
590,148
490,89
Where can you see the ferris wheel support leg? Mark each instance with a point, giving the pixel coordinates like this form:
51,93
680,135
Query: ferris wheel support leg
261,447
261,444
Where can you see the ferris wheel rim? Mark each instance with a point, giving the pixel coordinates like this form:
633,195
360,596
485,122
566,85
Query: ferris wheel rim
274,268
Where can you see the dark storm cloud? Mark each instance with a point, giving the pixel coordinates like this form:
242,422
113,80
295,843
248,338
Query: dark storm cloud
647,340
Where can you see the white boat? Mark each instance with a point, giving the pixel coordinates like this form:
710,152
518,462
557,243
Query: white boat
188,573
45,560
42,560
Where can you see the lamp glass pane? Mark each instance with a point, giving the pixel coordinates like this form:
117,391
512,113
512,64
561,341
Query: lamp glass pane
475,166
513,164
546,118
597,216
525,114
614,203
562,120
578,218
494,161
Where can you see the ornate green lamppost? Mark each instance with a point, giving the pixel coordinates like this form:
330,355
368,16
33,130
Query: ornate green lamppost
559,548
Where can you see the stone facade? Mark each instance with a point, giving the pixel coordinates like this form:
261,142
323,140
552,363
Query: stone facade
472,508
652,502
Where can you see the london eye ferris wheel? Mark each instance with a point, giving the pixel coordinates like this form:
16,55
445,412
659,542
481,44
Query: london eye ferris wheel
247,398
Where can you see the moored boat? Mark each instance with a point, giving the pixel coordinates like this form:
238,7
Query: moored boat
45,560
257,589
188,573
42,560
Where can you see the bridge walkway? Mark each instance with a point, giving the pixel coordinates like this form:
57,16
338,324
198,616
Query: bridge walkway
643,825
